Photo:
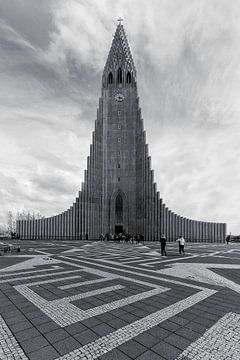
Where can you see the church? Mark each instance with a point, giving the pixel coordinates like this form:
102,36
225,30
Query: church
119,194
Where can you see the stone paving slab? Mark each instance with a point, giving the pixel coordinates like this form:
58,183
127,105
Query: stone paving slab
81,300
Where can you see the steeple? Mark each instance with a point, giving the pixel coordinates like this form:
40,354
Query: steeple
119,68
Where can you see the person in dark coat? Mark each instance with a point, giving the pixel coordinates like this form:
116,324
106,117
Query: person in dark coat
163,241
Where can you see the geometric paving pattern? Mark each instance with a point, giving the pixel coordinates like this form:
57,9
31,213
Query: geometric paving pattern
221,341
92,300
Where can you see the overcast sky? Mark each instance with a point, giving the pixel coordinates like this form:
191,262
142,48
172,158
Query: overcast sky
186,52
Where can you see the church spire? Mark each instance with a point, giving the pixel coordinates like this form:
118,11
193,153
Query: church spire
119,68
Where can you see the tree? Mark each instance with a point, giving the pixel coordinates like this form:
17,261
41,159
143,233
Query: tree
11,222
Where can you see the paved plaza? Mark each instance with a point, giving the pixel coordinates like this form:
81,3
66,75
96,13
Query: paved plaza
106,300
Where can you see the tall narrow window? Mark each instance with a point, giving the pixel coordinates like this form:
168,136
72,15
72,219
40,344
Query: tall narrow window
110,78
119,204
119,76
129,77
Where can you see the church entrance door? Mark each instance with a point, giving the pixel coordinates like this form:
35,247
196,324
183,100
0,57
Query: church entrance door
118,229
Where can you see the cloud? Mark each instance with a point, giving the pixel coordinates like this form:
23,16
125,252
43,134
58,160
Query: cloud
187,58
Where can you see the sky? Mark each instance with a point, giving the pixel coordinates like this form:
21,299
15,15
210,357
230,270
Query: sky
187,58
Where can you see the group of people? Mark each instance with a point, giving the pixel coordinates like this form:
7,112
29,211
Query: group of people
163,241
139,238
121,237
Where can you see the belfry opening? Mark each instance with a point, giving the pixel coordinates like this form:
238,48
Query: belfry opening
119,159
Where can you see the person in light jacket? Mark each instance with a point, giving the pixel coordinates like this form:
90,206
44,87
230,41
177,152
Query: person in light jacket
181,242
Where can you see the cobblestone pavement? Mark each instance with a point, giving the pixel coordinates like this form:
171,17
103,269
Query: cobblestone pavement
99,300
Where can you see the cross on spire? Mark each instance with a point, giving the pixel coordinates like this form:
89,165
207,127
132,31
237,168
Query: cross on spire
120,20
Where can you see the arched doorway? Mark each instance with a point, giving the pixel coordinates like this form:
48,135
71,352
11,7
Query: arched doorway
119,214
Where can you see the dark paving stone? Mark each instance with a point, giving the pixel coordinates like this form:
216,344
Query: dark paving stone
166,350
20,326
103,329
114,355
46,353
56,335
40,320
33,344
179,320
150,355
178,341
7,261
146,339
27,334
47,327
66,345
196,327
117,323
16,319
132,348
91,322
76,328
86,336
159,332
187,333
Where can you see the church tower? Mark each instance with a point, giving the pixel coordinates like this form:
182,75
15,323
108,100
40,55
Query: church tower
121,128
119,194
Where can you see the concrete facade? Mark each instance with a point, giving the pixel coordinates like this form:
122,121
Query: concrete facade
119,193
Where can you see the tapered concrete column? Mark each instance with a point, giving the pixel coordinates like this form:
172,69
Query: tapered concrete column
60,226
173,226
190,230
224,231
155,222
184,227
74,221
54,228
81,215
162,217
71,222
41,228
196,232
166,223
204,231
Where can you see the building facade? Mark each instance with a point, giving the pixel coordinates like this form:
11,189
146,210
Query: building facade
119,194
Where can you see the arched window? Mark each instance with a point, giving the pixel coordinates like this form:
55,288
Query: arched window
129,77
110,78
119,77
119,205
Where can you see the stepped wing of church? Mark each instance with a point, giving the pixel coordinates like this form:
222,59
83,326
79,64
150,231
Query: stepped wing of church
119,194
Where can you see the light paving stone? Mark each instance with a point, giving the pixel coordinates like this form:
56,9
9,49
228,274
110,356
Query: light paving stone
64,313
202,272
89,282
129,269
109,342
31,263
37,276
52,269
221,341
9,347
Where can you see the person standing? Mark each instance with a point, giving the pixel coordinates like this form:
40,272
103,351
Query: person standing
163,241
181,242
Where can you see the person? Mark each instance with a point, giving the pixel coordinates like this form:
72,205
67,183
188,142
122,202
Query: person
181,242
163,241
101,237
227,239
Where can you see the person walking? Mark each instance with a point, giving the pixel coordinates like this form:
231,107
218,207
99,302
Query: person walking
163,241
181,242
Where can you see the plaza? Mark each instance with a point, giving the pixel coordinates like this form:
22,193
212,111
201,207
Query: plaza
108,300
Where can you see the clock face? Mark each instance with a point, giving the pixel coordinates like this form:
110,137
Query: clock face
119,97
